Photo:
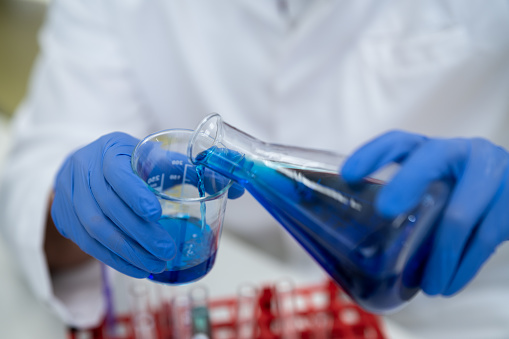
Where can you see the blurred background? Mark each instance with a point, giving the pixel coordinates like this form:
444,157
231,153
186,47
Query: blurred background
20,21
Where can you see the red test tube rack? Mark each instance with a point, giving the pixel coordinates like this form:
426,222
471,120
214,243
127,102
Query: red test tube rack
320,311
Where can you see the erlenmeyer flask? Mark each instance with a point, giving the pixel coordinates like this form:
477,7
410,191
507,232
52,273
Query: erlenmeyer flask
377,261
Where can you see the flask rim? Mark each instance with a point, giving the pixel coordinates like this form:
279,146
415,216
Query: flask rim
203,131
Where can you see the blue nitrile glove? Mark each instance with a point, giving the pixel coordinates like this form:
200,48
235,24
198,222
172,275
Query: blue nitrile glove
108,211
476,218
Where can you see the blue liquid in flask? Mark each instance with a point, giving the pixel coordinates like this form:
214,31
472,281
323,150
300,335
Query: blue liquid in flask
377,261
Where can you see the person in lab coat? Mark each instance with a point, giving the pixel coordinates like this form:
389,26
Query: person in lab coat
322,74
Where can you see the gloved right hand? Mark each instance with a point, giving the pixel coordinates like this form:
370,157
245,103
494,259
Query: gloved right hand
102,206
475,220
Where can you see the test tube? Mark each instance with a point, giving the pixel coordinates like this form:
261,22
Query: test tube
181,317
285,301
144,326
113,327
164,295
321,326
246,311
200,317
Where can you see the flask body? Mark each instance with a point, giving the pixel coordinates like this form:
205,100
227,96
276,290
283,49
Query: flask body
377,261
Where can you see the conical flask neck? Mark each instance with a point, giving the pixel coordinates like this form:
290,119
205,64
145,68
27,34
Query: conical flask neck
213,132
223,148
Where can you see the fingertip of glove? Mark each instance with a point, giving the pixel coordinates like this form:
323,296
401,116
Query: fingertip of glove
429,288
437,273
157,266
392,201
451,291
139,274
236,191
430,283
168,249
129,270
387,209
350,173
150,211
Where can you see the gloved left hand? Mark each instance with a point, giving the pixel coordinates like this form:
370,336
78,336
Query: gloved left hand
476,218
109,212
103,207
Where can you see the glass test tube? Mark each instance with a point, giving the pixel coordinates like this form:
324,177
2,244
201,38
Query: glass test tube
200,317
112,328
246,311
181,317
164,296
285,300
143,321
321,326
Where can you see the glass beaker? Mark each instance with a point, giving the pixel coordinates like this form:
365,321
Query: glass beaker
193,201
246,311
377,261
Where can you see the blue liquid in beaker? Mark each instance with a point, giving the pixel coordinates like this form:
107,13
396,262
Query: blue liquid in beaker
377,261
195,250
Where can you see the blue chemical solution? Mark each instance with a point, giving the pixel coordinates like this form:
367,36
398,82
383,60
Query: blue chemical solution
378,262
195,252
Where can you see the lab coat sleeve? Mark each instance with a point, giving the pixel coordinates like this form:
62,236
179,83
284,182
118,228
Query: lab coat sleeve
81,88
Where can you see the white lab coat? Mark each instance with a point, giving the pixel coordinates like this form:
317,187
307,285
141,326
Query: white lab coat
327,74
